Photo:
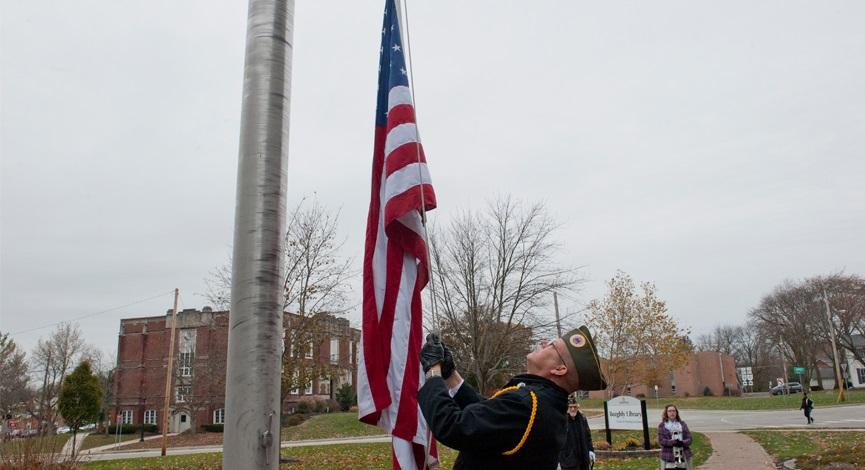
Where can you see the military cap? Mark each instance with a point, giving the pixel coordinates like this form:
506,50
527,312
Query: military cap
582,348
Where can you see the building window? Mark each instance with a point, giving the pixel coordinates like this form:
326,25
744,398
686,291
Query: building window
308,389
150,417
184,363
126,416
334,350
219,416
182,392
309,350
861,373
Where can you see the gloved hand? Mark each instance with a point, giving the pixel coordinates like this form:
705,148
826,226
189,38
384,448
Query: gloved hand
448,364
679,443
592,455
432,353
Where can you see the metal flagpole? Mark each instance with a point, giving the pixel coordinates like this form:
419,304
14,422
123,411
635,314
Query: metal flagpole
255,321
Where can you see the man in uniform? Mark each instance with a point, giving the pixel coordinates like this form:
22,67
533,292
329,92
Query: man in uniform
522,426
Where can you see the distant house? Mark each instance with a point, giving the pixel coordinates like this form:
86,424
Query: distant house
851,369
198,383
705,371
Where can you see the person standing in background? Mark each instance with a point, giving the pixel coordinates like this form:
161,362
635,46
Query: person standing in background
578,452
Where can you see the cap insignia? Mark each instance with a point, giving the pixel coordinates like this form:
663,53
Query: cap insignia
577,340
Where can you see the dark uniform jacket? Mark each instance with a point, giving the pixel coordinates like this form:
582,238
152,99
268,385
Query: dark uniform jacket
575,453
482,429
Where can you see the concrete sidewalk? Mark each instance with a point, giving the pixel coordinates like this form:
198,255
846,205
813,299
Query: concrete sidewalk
734,450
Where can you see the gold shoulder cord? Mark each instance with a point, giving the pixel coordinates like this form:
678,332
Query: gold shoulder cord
531,418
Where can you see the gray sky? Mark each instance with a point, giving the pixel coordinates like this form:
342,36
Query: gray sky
715,148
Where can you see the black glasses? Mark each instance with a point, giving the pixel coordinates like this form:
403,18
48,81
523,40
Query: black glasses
553,345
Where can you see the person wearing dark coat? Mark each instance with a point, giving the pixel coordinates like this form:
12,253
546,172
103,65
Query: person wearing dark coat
578,452
522,425
807,406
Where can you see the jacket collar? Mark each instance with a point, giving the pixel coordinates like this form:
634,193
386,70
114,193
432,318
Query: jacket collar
535,380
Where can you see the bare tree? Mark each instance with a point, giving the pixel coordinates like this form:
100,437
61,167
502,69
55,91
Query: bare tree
723,339
14,390
793,318
494,272
316,286
640,341
846,296
52,359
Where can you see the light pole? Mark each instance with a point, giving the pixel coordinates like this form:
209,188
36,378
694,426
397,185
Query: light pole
838,379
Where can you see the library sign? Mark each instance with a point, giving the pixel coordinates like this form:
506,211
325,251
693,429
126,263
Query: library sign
625,412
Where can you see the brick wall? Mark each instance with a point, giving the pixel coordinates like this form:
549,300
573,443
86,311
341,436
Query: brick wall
142,360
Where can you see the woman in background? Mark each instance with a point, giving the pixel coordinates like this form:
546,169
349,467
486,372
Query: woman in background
675,440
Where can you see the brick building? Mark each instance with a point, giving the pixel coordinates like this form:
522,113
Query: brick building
197,394
703,369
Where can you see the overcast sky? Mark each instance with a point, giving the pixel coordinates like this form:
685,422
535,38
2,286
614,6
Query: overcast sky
715,148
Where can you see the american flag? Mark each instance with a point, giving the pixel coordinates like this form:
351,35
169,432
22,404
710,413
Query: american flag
395,262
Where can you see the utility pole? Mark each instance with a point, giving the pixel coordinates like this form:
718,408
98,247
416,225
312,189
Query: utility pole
838,379
169,374
723,380
785,389
255,329
558,321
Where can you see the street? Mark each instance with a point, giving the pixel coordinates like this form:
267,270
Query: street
730,420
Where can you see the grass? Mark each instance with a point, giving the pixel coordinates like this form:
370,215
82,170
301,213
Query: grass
47,444
813,449
331,425
102,439
780,402
355,456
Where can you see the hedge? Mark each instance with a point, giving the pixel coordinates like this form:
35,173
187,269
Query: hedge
131,428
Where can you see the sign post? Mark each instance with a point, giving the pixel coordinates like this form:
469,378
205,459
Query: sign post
799,371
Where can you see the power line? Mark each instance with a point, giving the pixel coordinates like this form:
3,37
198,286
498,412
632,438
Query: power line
92,314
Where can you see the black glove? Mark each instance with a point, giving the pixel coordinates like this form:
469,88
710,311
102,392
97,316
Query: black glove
448,364
432,353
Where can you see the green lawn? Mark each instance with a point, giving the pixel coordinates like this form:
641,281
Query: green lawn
331,425
102,439
43,445
812,449
780,402
356,456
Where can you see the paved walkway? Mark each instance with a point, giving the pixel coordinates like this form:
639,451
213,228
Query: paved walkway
79,441
734,450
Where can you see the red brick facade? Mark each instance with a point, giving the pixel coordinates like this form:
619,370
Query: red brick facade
199,377
702,370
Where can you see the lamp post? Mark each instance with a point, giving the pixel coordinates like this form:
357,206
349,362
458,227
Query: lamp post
838,379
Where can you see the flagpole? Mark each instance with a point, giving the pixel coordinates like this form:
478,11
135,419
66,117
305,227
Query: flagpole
252,404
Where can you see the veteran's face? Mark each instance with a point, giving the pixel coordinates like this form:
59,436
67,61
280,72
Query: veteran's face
547,356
